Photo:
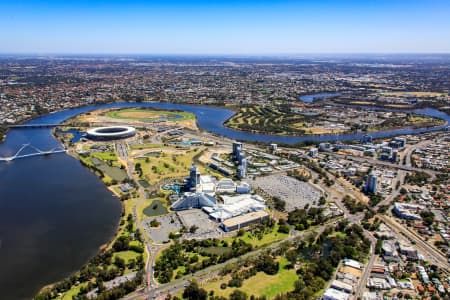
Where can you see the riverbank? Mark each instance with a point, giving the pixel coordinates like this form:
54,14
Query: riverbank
3,133
123,255
212,119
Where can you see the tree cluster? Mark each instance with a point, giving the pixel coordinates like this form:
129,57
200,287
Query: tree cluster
352,205
303,218
319,257
179,253
417,178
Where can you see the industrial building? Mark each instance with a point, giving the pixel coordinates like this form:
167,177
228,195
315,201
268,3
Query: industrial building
243,188
341,286
223,170
235,206
352,263
408,211
244,220
347,277
325,147
313,152
398,143
333,294
388,154
226,185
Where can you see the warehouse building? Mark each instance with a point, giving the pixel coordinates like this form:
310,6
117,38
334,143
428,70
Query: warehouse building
333,294
341,286
244,220
226,185
408,211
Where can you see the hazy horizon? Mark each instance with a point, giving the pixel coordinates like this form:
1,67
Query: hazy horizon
267,28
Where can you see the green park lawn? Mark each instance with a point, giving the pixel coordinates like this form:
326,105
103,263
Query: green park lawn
72,292
166,166
126,255
105,156
272,285
267,239
261,284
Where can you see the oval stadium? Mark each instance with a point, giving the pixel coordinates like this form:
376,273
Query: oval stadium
111,132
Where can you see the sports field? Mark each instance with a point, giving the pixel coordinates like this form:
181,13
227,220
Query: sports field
146,115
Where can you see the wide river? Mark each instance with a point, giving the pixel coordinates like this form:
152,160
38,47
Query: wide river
55,214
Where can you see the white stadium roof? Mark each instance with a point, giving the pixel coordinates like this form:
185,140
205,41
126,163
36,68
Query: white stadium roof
111,132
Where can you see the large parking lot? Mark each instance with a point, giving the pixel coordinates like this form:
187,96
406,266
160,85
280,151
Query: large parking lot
206,227
169,223
294,192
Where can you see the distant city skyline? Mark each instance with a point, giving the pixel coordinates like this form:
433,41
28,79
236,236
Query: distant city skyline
224,27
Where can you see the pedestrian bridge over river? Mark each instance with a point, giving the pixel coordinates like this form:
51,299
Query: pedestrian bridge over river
36,152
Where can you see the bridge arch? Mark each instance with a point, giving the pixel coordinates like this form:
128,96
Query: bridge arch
17,155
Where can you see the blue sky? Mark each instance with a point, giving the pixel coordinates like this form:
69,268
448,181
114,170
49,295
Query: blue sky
225,27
